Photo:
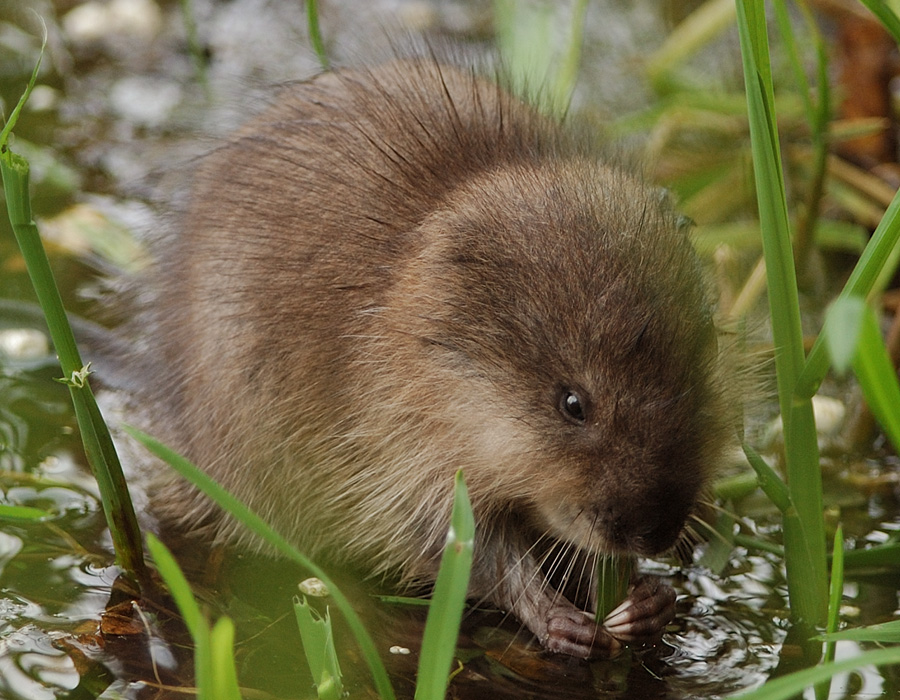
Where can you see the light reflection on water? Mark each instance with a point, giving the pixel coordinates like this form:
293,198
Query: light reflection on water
31,668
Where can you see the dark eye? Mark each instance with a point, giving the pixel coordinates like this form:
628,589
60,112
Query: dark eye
572,406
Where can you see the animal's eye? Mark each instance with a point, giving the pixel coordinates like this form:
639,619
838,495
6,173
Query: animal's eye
572,406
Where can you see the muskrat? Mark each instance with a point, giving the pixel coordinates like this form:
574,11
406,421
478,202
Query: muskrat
394,273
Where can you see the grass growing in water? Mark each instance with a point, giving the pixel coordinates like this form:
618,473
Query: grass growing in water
98,445
214,670
851,326
262,530
804,536
800,499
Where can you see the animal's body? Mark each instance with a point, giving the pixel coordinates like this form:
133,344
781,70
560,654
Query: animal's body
392,274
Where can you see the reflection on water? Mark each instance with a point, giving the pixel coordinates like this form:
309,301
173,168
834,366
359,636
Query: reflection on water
32,668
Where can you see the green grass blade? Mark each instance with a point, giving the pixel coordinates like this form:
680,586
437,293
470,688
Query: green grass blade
787,687
318,646
788,39
886,15
736,486
843,327
613,577
877,377
315,33
882,556
771,484
817,115
190,613
885,633
836,591
8,512
720,537
448,600
869,276
197,55
16,171
524,42
537,65
404,600
797,543
17,110
804,534
772,201
563,85
221,652
99,449
853,337
260,528
697,30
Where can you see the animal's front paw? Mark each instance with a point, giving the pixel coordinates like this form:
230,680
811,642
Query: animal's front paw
574,632
644,614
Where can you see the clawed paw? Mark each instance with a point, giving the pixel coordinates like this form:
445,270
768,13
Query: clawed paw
643,616
574,632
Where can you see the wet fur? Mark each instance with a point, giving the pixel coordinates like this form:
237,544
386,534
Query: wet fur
391,274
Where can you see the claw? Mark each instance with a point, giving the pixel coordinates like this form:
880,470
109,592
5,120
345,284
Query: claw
643,616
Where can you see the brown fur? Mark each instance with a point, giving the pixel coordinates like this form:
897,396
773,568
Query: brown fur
392,274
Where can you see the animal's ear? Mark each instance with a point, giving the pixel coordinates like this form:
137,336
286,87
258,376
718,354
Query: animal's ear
684,223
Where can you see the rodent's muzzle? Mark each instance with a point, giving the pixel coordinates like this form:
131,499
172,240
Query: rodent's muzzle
645,526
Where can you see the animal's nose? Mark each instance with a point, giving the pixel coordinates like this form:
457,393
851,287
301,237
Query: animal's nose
647,526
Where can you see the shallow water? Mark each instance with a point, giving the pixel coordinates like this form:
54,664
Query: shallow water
118,106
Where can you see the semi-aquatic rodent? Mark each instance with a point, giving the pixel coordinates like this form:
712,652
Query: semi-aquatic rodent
394,273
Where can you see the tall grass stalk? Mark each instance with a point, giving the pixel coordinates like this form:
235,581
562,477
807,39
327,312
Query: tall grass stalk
98,444
804,535
444,615
793,685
